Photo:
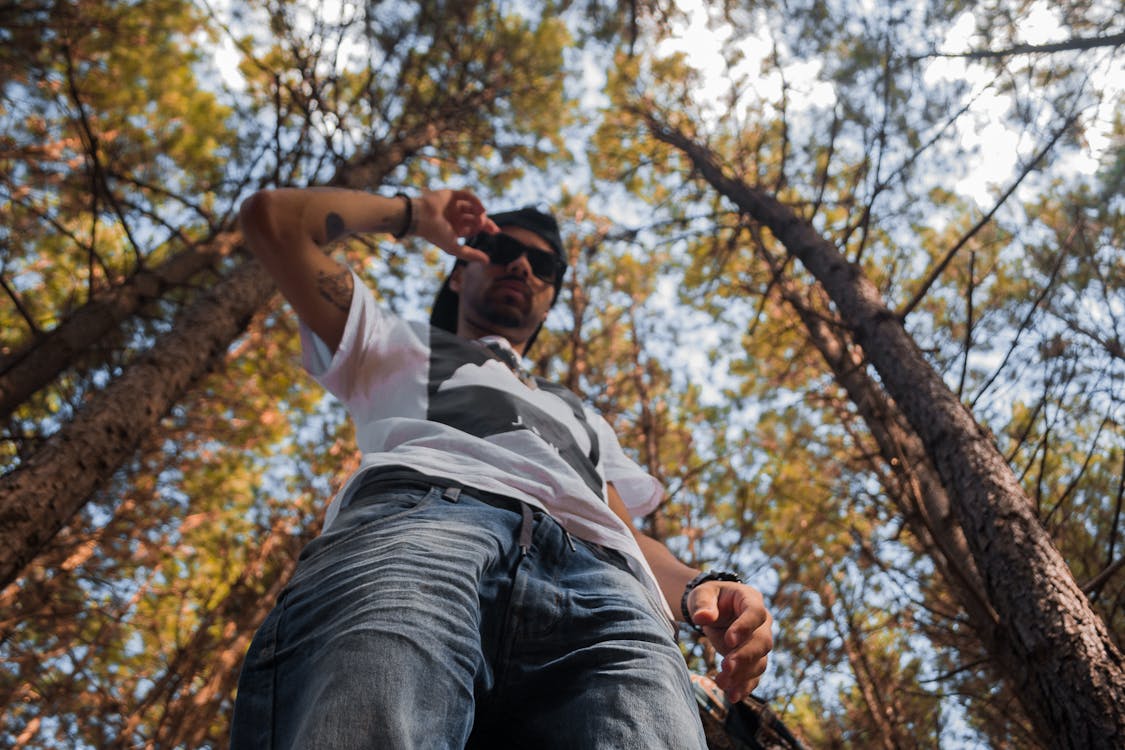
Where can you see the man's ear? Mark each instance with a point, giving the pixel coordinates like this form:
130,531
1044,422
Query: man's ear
455,278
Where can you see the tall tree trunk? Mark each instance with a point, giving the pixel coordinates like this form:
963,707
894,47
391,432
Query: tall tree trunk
1060,658
40,496
912,484
34,366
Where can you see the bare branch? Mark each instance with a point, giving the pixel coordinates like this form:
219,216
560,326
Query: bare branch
940,267
1070,45
968,326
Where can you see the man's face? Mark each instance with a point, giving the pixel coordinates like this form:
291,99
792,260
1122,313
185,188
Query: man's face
506,300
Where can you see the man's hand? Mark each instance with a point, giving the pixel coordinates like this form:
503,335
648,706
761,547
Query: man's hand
444,216
733,615
735,619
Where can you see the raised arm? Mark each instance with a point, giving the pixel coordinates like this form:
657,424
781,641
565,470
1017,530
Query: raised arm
733,615
289,229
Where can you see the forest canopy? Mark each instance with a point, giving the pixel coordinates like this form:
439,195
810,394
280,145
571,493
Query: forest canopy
848,278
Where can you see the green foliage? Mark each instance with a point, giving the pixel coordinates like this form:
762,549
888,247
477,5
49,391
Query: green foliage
121,148
105,121
112,155
471,88
873,164
164,578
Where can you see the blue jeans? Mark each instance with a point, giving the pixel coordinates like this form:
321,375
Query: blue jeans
419,621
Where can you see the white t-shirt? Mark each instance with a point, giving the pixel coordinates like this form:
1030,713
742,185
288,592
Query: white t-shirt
448,407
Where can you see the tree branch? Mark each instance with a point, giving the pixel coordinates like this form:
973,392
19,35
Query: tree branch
1069,45
940,267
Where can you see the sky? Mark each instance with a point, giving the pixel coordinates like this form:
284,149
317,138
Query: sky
986,130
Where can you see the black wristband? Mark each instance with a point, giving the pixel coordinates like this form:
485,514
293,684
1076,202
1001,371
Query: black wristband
711,575
408,221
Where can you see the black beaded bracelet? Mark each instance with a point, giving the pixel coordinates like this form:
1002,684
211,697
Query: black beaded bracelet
408,222
711,575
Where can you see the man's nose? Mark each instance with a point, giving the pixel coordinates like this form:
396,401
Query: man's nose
520,265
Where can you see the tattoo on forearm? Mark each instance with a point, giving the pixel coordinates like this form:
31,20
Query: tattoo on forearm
336,288
334,227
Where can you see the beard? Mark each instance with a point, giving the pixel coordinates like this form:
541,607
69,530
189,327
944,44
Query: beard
503,309
504,316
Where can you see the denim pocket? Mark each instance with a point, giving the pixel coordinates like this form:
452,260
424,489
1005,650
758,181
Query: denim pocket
376,507
626,564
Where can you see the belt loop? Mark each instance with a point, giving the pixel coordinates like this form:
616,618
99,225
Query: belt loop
527,524
452,494
569,539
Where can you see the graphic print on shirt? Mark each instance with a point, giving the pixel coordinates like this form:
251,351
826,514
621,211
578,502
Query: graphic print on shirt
482,411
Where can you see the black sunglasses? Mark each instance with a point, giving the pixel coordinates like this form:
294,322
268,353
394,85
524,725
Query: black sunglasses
502,249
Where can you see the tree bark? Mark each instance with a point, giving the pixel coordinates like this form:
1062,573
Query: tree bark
40,496
912,484
34,366
1060,658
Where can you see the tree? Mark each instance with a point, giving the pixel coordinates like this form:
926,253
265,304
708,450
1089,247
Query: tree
1076,693
789,200
74,461
731,371
165,567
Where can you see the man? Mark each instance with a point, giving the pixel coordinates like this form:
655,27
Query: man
480,582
